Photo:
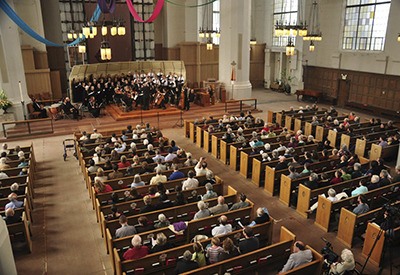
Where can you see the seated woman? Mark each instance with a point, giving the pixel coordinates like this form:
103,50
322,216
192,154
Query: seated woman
347,264
137,251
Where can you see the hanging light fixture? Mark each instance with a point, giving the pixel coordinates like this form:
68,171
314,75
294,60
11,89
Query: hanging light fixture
105,51
121,28
209,45
86,30
312,47
290,48
114,29
398,38
82,48
292,28
314,33
104,29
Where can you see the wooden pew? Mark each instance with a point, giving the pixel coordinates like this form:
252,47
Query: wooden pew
21,228
256,260
259,167
306,196
152,264
313,267
377,151
273,177
350,222
374,232
326,207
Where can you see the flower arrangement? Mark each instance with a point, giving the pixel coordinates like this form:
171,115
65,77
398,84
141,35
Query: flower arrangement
5,103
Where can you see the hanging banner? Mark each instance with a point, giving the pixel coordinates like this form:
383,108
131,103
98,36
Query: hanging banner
28,30
156,12
107,6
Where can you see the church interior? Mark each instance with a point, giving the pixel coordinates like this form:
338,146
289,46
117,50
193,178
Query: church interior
283,101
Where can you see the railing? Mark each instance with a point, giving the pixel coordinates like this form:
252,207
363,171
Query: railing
240,104
28,127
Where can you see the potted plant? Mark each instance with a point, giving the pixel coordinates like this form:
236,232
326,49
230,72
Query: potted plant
286,81
5,103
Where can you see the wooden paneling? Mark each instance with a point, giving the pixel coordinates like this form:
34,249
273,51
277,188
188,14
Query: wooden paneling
257,61
38,81
55,81
27,57
40,60
368,89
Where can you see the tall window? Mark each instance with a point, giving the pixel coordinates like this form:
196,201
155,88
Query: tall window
365,24
285,11
216,20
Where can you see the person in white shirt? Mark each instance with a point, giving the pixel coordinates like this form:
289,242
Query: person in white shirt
191,182
223,228
170,155
95,135
332,196
120,147
158,156
201,167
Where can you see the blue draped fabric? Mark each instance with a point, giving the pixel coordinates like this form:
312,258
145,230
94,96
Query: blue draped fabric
17,20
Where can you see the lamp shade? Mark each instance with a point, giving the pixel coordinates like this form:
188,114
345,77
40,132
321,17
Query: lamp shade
82,48
104,30
114,30
312,47
86,30
121,30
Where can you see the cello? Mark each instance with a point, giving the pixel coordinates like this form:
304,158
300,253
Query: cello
181,104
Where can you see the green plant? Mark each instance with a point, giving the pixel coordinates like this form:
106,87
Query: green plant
4,101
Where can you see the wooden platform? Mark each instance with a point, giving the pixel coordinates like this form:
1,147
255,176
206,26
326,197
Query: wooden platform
118,114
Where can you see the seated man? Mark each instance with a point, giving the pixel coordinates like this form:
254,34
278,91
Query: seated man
39,108
300,256
69,109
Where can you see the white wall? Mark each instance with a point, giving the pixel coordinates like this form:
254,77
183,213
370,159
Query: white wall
30,12
329,51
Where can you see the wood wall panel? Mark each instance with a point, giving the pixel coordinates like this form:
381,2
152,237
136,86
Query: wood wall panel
257,62
55,84
374,90
40,60
38,81
27,57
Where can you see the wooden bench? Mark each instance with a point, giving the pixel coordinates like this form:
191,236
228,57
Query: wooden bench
152,264
350,222
21,228
326,207
373,232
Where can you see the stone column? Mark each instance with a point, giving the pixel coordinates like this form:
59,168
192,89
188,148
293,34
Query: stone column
235,46
12,67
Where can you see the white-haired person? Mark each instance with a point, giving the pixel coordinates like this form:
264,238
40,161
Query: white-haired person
3,164
162,221
137,251
347,263
332,196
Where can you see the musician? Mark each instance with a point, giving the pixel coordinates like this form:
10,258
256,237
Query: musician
146,96
118,94
93,107
39,108
127,99
69,109
187,93
159,100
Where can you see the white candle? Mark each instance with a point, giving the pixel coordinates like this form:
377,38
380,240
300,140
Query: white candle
20,91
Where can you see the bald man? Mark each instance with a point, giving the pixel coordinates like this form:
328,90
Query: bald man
221,207
300,256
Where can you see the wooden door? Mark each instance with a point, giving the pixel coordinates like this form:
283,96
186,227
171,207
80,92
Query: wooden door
343,92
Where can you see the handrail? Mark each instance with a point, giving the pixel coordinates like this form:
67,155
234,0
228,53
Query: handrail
241,103
30,127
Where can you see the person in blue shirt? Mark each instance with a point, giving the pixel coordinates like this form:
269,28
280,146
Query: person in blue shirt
361,189
23,162
176,174
14,203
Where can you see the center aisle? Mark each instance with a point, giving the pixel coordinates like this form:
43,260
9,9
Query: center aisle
66,237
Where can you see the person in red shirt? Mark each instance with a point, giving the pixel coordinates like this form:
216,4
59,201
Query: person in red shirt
137,251
100,187
337,178
123,163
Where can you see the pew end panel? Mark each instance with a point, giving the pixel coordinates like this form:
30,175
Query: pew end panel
346,227
206,141
256,172
286,235
319,133
269,184
224,151
186,128
303,201
360,147
332,137
214,146
192,132
244,160
233,151
373,232
345,140
286,190
288,122
270,117
322,218
297,124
